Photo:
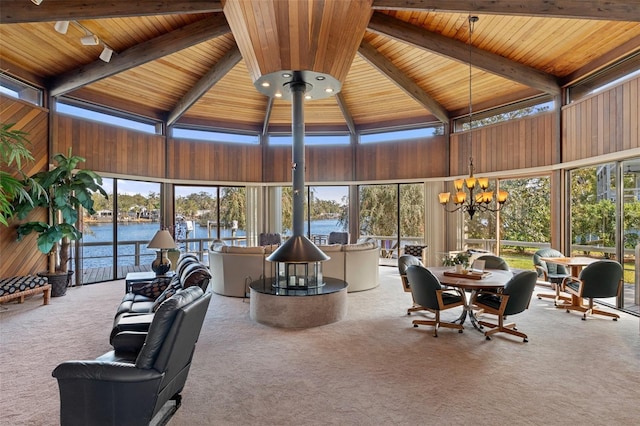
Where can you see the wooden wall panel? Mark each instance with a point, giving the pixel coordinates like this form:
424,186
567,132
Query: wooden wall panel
23,258
110,149
322,164
197,160
529,142
604,123
413,159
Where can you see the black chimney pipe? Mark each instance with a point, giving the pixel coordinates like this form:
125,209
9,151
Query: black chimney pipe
298,248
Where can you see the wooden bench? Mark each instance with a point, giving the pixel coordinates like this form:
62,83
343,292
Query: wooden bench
23,286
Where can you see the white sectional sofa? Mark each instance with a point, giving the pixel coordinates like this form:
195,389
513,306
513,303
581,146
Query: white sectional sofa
233,268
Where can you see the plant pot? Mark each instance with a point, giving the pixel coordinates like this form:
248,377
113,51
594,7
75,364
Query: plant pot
59,282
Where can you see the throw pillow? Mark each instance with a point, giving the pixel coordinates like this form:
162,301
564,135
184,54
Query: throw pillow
173,287
150,289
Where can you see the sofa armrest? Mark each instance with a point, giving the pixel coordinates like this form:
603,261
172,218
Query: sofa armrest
104,372
129,341
130,322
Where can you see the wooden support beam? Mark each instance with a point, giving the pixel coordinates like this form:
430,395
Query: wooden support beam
609,10
348,118
386,67
20,11
219,70
459,51
166,44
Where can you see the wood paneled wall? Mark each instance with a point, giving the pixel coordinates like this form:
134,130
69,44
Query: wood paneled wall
197,160
322,164
110,148
603,123
528,142
402,160
22,258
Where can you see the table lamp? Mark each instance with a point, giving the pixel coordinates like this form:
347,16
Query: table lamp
162,241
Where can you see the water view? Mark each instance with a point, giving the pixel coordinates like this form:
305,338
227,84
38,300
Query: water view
98,250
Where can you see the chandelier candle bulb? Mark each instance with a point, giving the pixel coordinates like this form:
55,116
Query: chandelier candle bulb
471,182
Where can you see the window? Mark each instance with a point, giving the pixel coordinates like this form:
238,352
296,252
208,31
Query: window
103,116
399,135
312,140
212,136
16,89
500,115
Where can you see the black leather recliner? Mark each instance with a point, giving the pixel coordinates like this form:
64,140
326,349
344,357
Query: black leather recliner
131,384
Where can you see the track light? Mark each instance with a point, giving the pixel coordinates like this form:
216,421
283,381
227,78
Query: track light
106,54
61,26
36,2
90,40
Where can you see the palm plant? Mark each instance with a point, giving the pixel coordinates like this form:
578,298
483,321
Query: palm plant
13,152
66,191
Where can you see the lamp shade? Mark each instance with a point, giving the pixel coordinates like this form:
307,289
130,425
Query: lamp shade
162,240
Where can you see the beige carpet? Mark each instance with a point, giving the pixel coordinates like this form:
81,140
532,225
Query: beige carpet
373,368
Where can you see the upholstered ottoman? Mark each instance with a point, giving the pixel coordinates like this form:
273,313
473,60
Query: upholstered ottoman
20,287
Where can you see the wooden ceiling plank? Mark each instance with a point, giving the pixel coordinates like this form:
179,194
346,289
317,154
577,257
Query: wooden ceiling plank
219,70
386,67
441,45
20,11
142,53
610,10
348,118
629,48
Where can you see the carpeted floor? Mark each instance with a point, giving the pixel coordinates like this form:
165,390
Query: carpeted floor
373,368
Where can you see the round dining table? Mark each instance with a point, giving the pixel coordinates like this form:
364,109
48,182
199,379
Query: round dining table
492,279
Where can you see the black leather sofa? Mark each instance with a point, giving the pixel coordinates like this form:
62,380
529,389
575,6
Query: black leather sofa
145,372
136,309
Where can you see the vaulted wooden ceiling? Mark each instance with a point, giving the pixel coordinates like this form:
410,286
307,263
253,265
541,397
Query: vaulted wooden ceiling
179,60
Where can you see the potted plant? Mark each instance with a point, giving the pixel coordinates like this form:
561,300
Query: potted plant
66,191
459,260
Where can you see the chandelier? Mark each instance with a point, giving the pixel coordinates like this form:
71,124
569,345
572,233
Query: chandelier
479,198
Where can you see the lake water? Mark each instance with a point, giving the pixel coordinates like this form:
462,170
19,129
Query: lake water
102,255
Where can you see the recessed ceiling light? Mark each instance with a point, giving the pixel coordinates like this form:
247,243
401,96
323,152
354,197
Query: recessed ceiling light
328,90
307,97
278,95
265,84
320,77
286,75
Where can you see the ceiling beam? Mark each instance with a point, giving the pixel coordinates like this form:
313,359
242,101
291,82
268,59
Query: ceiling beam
382,64
215,74
348,118
454,49
21,11
166,44
609,10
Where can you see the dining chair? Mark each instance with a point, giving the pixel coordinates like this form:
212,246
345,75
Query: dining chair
513,299
429,294
494,262
602,278
404,262
551,273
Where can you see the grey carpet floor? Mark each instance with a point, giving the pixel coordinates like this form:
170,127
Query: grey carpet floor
372,368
